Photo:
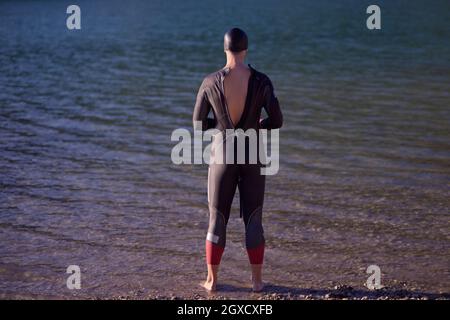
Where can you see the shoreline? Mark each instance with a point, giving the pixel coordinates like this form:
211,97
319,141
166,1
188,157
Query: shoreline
339,292
271,292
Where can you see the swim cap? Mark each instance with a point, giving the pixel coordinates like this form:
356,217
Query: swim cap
235,40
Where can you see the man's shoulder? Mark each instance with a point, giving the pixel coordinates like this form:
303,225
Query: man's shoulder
261,77
211,79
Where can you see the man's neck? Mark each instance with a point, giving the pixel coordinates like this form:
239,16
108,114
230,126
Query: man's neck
235,62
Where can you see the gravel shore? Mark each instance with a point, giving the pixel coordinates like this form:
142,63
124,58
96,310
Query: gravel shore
339,292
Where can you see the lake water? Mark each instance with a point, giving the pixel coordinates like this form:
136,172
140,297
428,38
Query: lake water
86,117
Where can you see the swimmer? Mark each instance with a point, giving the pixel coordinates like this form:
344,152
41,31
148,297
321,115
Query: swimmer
236,95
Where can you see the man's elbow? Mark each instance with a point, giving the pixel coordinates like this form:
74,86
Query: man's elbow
277,123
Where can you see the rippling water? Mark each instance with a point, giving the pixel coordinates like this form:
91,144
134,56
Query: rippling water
85,124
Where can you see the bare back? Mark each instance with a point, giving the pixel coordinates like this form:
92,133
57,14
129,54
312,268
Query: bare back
235,90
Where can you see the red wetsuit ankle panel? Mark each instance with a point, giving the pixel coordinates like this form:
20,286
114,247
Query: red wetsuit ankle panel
256,255
213,253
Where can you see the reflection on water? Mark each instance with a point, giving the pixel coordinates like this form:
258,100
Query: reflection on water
85,124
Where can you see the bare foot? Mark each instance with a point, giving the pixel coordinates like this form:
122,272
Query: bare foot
258,286
209,285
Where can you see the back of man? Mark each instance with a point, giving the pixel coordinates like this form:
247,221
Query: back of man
236,88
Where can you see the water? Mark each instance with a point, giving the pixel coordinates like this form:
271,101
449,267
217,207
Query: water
85,124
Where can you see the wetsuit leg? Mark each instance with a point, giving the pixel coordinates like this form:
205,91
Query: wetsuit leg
251,193
222,183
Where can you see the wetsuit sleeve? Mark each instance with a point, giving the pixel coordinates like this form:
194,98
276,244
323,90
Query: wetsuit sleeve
274,118
202,109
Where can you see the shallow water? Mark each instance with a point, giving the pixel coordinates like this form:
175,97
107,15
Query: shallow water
85,124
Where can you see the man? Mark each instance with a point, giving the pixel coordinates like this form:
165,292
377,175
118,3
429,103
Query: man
236,94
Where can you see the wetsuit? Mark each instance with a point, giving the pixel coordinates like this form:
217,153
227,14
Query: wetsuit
223,178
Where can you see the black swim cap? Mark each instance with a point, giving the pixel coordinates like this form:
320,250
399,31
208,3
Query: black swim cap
235,40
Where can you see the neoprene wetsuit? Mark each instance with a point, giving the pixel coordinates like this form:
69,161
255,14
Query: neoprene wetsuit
224,178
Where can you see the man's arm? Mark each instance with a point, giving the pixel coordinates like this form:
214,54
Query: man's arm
274,118
202,109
